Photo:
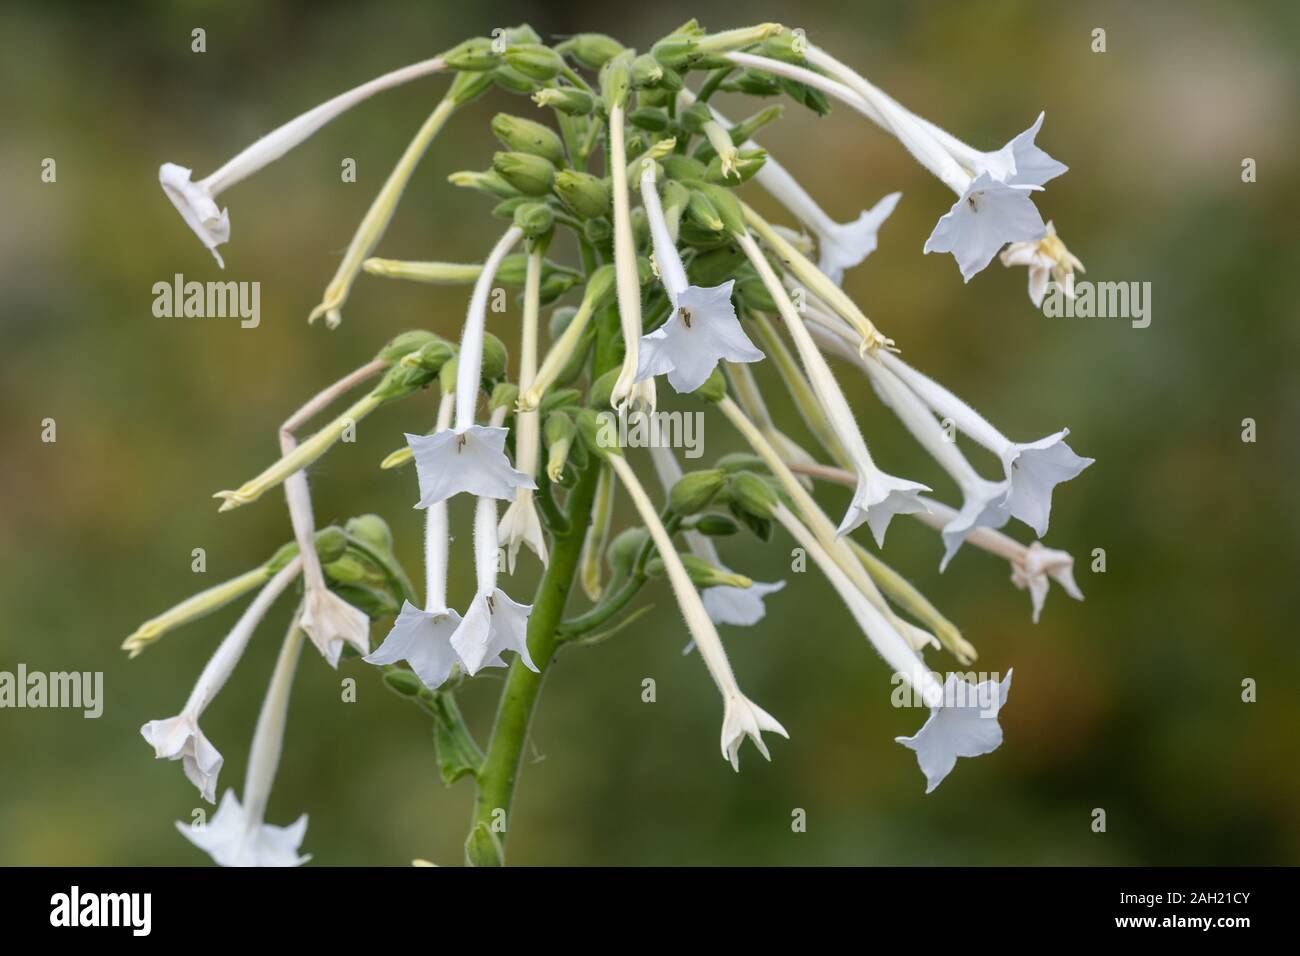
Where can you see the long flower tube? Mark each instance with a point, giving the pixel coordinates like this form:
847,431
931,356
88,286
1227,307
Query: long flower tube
726,603
879,496
812,513
520,524
196,201
742,383
179,737
561,351
741,716
627,390
993,207
329,621
238,834
470,458
377,217
840,246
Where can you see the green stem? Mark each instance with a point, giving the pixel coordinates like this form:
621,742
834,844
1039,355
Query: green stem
500,769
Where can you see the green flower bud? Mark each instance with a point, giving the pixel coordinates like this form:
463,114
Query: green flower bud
376,603
715,525
506,208
714,388
701,572
587,195
577,362
598,231
724,204
331,542
815,100
712,268
786,47
625,547
753,294
535,61
751,494
598,431
521,34
615,80
645,71
372,530
602,390
678,51
350,569
473,54
403,682
512,80
566,99
701,211
560,320
592,50
495,358
675,197
694,490
490,182
514,268
555,285
654,99
404,343
401,380
560,398
742,461
649,118
536,219
528,136
431,357
531,175
746,128
504,395
467,87
695,117
558,434
757,83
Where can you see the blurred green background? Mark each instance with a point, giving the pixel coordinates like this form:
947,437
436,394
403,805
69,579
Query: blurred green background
1128,702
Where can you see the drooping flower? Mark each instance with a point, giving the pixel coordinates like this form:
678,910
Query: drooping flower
196,201
987,216
725,603
965,725
1032,569
422,637
878,496
494,623
741,717
1034,469
1048,260
469,458
237,834
520,524
983,502
701,331
179,737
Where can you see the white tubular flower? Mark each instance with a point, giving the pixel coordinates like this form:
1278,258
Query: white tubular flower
994,205
897,650
982,501
879,496
1031,566
179,737
966,725
520,524
237,834
494,623
469,458
627,284
1048,260
987,216
422,638
741,717
196,201
725,604
702,328
1032,468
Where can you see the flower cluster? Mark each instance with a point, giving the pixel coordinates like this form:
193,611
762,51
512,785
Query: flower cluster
692,285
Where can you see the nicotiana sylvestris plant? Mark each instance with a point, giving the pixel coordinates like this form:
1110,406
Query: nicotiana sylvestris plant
678,281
